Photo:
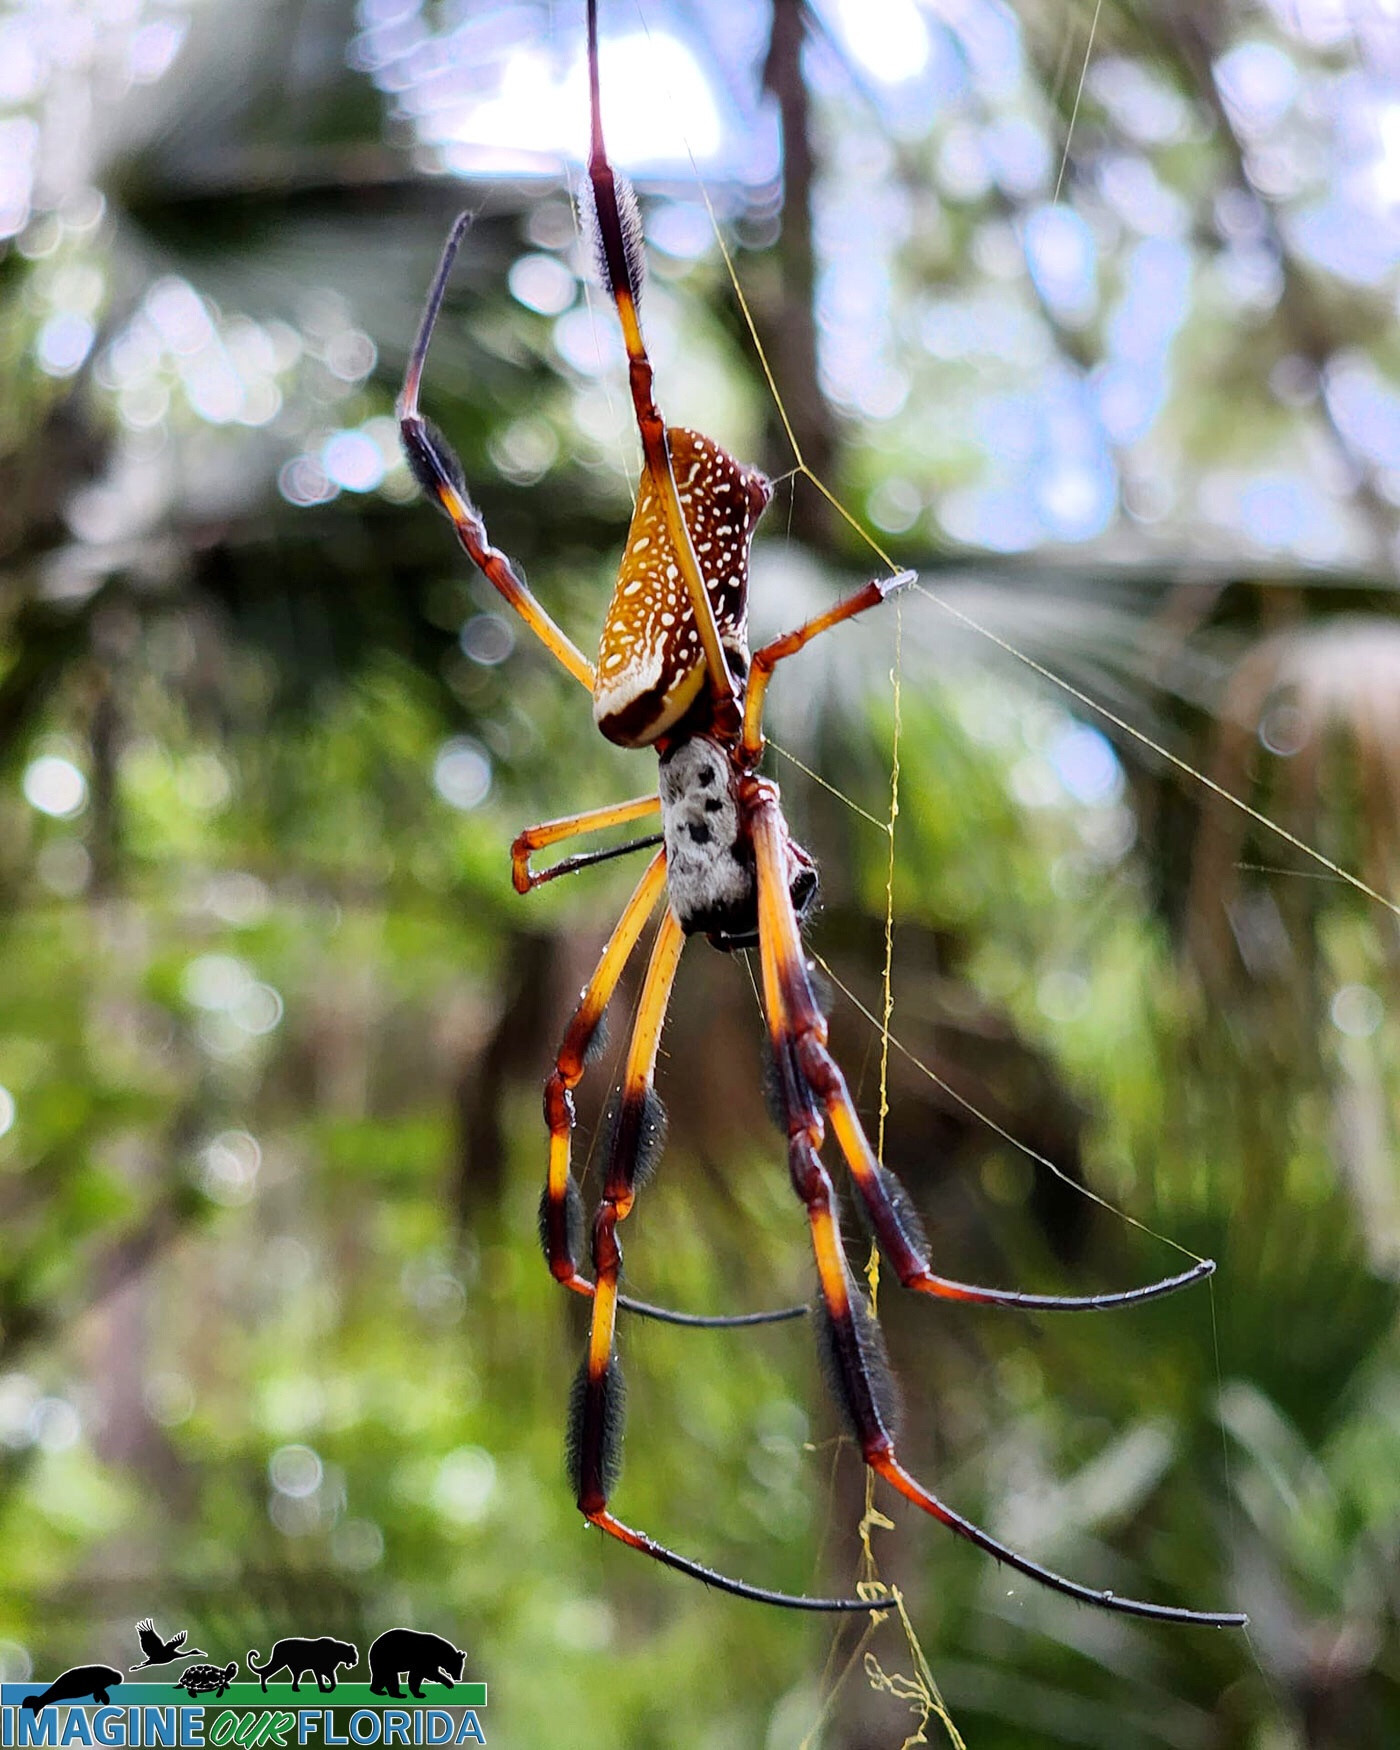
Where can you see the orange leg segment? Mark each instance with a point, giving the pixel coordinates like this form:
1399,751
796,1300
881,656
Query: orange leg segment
560,1208
637,1127
778,650
550,832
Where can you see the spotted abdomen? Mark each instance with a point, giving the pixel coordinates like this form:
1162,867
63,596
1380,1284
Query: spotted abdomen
651,665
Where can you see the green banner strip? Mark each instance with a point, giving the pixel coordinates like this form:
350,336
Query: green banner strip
282,1695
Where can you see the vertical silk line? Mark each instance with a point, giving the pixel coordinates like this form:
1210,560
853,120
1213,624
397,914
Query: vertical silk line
896,680
1079,92
872,1519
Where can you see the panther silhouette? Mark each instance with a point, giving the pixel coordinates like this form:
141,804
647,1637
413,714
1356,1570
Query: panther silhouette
320,1657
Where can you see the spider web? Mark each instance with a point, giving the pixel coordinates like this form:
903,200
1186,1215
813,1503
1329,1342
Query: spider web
921,1691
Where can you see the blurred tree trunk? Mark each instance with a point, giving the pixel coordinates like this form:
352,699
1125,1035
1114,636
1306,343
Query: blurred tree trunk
784,309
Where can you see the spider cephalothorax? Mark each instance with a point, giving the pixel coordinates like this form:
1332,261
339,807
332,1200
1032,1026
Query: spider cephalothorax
674,673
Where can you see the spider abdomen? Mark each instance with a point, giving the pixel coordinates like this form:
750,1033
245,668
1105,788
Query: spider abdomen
651,664
709,856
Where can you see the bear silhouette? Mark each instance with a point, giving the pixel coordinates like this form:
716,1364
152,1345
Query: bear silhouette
423,1657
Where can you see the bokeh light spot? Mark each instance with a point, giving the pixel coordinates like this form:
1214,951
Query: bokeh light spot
295,1471
542,283
1357,1011
64,342
465,1483
352,460
55,786
228,1168
487,639
462,773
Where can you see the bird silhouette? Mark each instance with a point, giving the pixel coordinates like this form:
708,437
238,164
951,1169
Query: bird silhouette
159,1652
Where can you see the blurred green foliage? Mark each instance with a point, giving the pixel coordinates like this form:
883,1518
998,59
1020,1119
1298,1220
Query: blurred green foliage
277,1351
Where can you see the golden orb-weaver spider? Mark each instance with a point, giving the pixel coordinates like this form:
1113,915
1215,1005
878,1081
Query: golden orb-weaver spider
674,673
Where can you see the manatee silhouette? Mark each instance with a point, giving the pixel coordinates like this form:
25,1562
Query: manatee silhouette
77,1685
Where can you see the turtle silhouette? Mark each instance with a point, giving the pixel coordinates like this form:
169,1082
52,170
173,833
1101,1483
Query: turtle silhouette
159,1652
199,1679
76,1685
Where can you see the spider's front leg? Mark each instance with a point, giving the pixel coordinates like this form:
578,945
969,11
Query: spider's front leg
438,471
767,658
853,1342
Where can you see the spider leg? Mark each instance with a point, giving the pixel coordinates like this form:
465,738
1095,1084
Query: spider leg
854,1346
892,1214
619,247
597,1401
766,659
550,832
561,1207
900,1232
439,472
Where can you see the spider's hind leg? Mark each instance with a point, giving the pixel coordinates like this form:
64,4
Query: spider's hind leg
596,1405
597,1401
891,1211
561,1206
860,1375
853,1346
900,1232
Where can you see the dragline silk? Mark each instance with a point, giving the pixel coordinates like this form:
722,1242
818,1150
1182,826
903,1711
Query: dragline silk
651,663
